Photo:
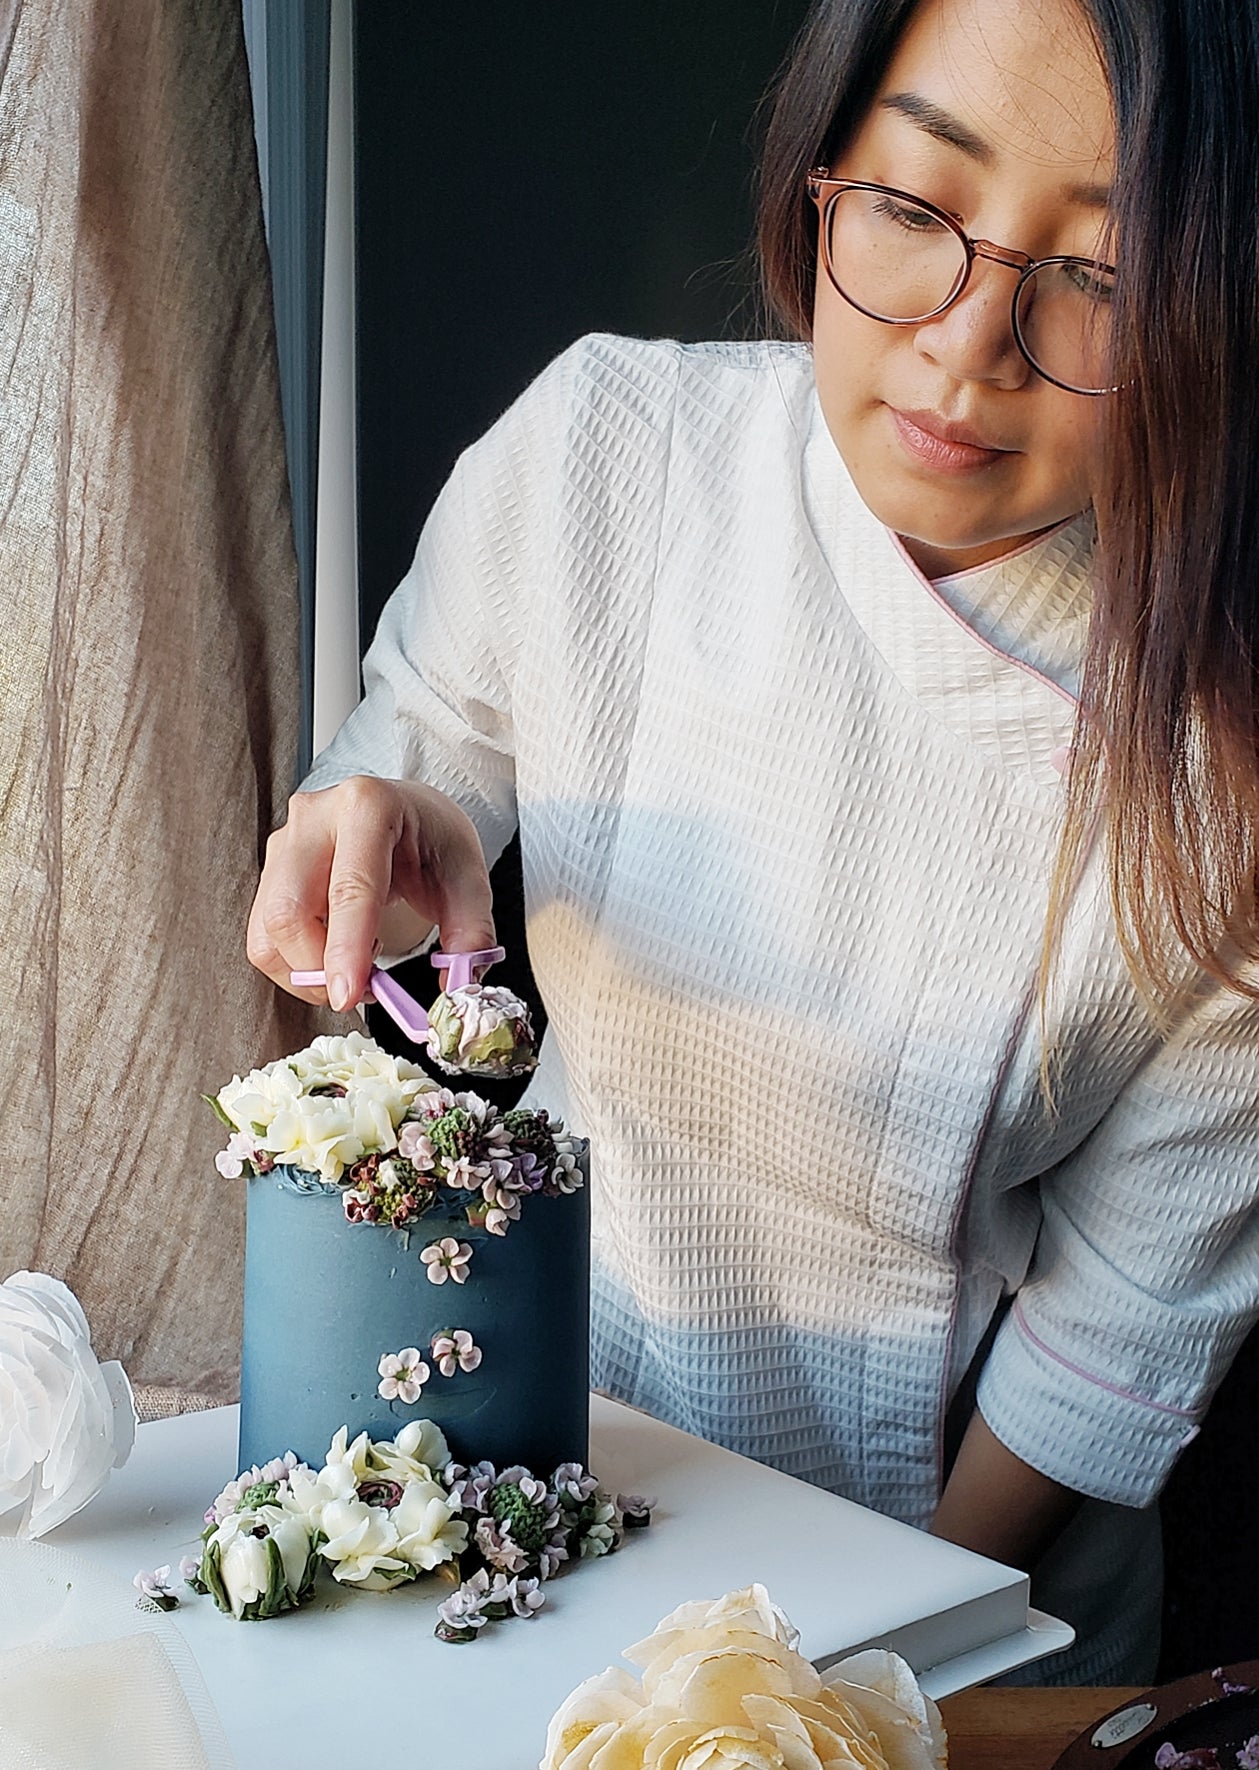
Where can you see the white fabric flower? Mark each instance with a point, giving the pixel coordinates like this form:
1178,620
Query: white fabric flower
445,1259
402,1375
67,1419
723,1688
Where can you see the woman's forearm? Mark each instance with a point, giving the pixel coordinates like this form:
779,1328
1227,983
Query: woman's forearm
997,1505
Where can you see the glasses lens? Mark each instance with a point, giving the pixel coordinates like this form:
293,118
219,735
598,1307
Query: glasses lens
1064,319
891,257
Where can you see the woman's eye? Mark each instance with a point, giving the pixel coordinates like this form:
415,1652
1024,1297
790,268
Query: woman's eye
1092,280
906,215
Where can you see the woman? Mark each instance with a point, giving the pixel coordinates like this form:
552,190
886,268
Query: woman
842,748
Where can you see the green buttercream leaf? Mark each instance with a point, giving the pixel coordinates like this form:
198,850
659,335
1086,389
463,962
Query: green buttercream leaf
212,1101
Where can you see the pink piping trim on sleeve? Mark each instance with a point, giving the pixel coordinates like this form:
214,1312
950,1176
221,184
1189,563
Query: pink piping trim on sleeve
1008,657
1162,1407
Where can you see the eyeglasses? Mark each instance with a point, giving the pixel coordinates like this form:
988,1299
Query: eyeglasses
901,260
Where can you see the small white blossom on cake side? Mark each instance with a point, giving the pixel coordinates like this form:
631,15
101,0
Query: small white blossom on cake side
456,1351
447,1258
402,1375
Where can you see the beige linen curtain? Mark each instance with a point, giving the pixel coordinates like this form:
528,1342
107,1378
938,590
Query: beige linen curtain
148,663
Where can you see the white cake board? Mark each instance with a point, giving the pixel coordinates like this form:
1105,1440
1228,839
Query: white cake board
329,1685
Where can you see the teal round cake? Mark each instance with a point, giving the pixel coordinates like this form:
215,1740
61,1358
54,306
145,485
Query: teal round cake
412,1253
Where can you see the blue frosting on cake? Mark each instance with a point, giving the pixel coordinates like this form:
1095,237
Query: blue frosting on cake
326,1298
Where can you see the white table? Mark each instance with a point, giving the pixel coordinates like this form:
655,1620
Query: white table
334,1683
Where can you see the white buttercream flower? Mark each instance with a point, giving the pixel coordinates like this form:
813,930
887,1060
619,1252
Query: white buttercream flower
325,1107
65,1419
362,1546
258,1562
445,1259
418,1453
456,1351
429,1532
402,1375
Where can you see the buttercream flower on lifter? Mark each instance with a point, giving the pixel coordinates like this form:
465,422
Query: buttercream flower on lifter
456,1351
402,1375
447,1258
481,1030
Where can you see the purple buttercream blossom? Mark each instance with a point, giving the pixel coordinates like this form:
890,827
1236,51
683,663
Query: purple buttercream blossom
1248,1756
554,1555
573,1482
530,1172
414,1144
471,1486
527,1599
465,1608
499,1549
500,1196
157,1588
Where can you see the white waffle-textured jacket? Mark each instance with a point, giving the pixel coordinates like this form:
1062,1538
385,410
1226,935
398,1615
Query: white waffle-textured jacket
788,815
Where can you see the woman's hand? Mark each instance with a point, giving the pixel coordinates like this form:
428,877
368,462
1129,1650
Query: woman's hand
365,865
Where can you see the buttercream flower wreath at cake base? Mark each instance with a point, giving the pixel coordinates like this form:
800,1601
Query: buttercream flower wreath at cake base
379,1515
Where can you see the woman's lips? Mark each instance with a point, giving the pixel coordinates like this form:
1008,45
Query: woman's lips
944,447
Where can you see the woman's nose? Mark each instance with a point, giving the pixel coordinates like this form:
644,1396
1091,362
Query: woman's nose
973,340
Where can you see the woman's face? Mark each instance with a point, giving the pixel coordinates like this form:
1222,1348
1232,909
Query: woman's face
998,112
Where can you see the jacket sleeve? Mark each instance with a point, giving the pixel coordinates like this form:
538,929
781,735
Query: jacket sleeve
1145,1275
437,704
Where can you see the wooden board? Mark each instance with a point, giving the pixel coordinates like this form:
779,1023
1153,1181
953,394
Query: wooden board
996,1729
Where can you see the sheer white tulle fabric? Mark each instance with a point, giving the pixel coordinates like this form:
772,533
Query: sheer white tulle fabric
87,1678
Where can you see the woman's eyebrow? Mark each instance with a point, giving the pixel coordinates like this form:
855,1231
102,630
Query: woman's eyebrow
939,123
943,126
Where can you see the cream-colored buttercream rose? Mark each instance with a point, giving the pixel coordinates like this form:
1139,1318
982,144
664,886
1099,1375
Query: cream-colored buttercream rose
723,1687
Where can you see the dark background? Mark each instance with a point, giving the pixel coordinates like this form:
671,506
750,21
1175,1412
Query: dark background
527,174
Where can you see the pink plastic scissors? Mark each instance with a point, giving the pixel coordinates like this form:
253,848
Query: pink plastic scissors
402,1007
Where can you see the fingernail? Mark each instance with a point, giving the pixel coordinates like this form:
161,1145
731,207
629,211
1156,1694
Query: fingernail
339,993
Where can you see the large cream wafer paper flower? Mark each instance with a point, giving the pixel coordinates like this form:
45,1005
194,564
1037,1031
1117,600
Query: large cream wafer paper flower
723,1687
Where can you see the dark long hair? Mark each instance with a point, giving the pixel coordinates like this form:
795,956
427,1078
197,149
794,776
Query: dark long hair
1167,743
